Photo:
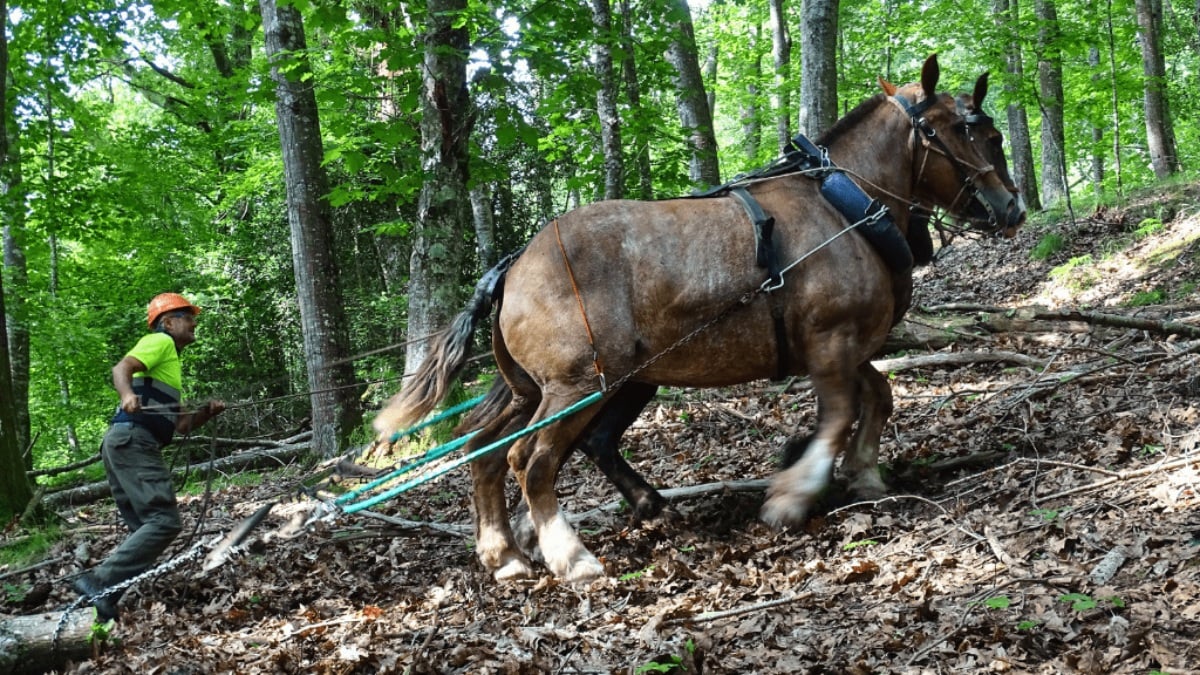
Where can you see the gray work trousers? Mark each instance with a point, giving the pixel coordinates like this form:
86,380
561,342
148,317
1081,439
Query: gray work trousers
141,486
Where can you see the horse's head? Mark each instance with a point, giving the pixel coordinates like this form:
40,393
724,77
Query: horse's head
958,165
990,142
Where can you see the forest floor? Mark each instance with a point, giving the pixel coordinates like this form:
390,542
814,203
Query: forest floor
1043,520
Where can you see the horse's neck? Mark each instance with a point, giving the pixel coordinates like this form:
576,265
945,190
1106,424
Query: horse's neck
882,168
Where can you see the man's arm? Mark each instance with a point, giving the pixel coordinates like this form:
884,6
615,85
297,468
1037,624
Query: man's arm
122,377
189,421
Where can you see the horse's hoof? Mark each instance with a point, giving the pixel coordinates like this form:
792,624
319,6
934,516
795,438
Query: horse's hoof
867,486
779,512
584,571
513,570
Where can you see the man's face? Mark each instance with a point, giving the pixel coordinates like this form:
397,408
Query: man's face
181,326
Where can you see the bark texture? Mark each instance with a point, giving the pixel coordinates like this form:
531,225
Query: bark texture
694,113
781,51
1050,93
439,254
322,318
1160,135
606,102
818,66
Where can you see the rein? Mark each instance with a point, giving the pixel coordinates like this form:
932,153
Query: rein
968,174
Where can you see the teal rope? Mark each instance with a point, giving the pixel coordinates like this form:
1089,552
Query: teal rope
473,455
429,456
465,405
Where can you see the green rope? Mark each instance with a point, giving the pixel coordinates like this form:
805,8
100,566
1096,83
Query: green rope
473,455
465,405
430,455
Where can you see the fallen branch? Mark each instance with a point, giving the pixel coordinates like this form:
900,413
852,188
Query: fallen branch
54,471
28,644
955,359
255,459
412,525
1160,327
1123,476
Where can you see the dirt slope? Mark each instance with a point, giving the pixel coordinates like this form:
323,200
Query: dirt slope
1044,520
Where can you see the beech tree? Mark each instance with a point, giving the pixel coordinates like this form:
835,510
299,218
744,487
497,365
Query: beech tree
15,492
335,412
435,290
818,66
694,111
1160,136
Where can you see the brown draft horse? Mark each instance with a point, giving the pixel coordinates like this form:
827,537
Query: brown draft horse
649,274
600,444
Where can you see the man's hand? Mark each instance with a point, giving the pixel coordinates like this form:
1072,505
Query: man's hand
214,407
131,403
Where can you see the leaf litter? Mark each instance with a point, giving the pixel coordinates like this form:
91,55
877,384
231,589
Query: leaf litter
1041,520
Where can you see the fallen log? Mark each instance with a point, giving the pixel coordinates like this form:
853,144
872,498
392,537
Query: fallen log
261,458
28,644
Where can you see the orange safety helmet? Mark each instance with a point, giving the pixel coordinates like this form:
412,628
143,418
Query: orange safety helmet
166,302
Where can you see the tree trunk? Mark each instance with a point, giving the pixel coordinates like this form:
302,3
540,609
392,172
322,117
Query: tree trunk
485,226
439,251
13,220
15,492
694,113
751,124
606,102
1050,93
1097,150
1160,136
633,94
1115,97
818,66
1019,139
323,323
28,644
781,50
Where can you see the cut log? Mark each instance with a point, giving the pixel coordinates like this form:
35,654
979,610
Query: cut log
262,458
28,645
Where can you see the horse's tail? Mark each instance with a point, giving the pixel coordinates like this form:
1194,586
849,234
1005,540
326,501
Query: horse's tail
497,399
430,384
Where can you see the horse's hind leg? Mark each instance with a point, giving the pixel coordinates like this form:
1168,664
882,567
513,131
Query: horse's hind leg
862,458
794,489
495,546
535,461
602,442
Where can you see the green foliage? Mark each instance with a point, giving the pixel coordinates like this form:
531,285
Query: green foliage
631,576
998,602
1142,298
1148,227
198,483
850,546
30,549
1048,245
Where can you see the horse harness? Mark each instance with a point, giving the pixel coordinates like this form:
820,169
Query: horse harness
870,217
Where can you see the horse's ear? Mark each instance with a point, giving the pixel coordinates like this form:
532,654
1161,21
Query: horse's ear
981,87
888,87
930,73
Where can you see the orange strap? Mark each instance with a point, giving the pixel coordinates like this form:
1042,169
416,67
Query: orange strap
582,312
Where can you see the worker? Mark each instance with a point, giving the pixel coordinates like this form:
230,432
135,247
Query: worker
149,380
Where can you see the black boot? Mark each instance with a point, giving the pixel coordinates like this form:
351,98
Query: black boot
106,605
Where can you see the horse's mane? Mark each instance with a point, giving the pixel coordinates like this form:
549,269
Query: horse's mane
851,119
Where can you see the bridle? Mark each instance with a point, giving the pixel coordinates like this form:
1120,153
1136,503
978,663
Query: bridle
927,137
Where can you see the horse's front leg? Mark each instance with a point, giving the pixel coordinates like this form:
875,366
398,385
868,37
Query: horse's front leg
536,464
794,490
861,465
